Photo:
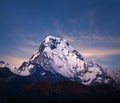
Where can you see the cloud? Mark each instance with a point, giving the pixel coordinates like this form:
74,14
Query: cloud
95,46
90,50
68,38
65,36
99,52
31,42
90,16
102,56
16,58
13,61
96,37
61,33
28,50
91,37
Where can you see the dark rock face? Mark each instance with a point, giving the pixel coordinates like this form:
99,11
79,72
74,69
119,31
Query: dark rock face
66,92
34,89
10,84
41,75
5,72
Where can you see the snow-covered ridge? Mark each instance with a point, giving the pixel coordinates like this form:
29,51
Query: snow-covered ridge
58,57
2,64
115,74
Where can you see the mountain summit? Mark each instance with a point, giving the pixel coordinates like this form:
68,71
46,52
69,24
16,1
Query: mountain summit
57,60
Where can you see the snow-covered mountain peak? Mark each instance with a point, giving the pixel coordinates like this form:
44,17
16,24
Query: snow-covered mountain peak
49,39
53,42
56,56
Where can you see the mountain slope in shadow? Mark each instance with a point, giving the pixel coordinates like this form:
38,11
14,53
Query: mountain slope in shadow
66,92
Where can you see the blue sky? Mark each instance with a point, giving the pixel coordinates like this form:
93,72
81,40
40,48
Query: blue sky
91,26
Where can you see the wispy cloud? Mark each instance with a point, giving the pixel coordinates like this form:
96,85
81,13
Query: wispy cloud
64,35
16,58
88,48
99,38
13,61
99,52
31,43
102,56
91,37
68,38
28,50
22,52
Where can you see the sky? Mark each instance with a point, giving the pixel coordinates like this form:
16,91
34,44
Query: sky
91,26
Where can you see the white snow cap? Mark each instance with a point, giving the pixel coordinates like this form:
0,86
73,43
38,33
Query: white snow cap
57,56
